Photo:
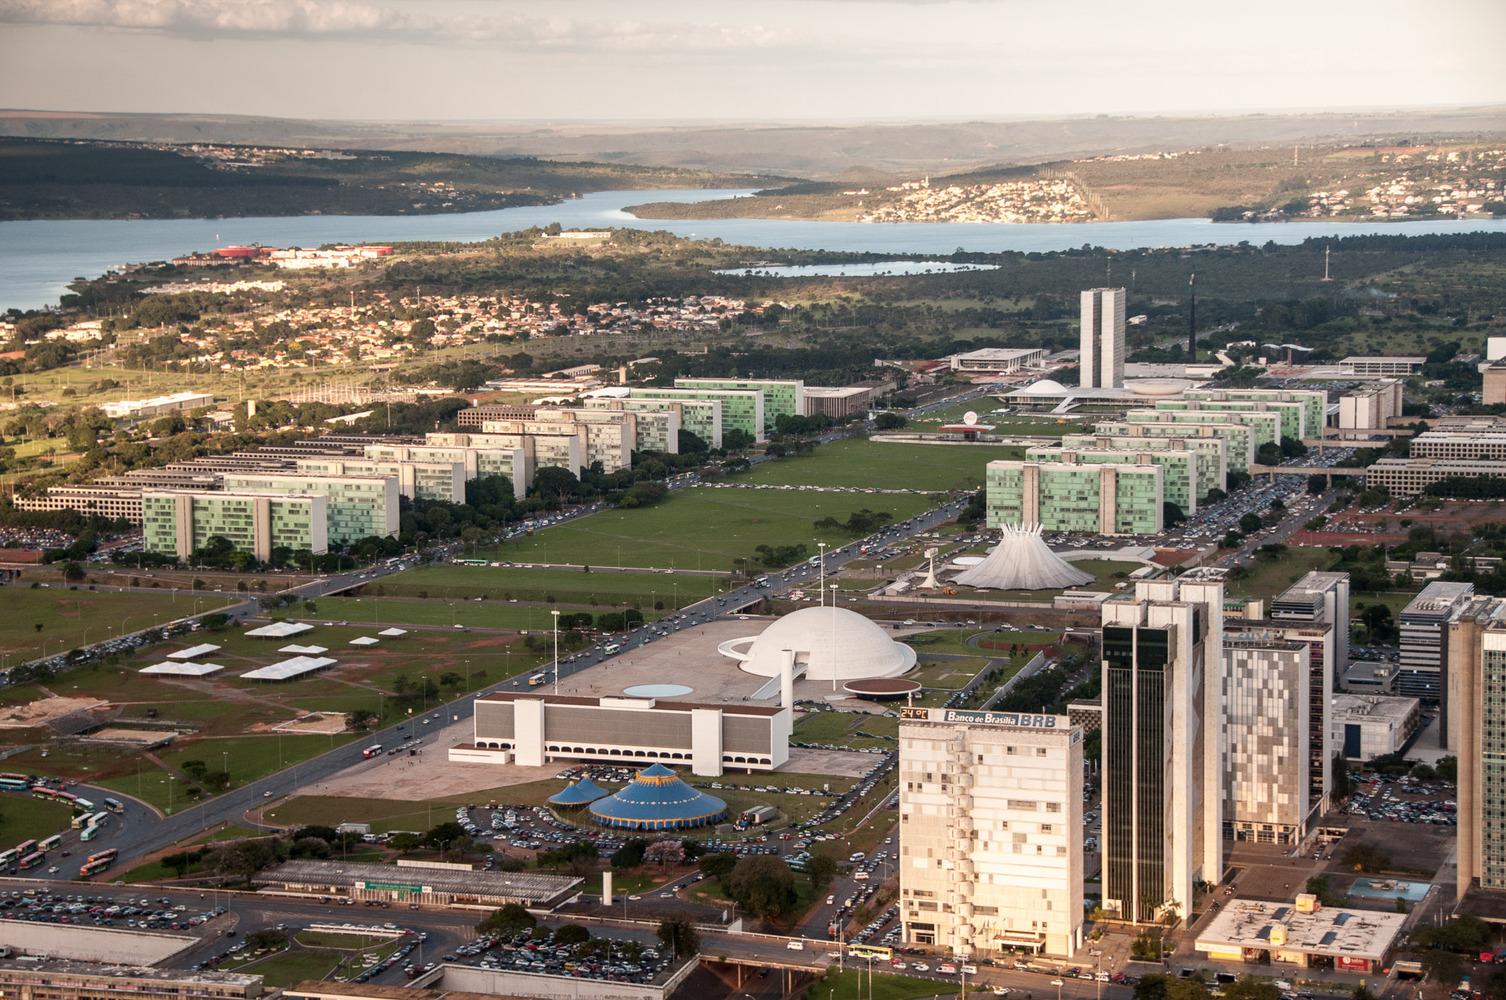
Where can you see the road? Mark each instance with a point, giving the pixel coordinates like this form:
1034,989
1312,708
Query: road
141,836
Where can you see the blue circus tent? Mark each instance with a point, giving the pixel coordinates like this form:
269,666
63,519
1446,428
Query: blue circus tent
579,793
656,799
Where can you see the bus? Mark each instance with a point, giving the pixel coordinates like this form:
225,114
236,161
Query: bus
88,833
25,847
8,858
375,750
537,679
108,852
50,843
83,804
115,805
79,820
8,784
13,776
877,952
94,867
32,860
97,819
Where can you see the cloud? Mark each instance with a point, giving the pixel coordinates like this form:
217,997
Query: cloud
368,21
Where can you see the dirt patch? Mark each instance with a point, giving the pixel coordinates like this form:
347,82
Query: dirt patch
45,710
838,763
136,737
317,723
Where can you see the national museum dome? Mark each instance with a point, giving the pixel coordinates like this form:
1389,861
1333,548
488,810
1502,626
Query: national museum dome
833,644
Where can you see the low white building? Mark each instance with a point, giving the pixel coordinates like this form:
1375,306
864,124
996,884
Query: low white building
1363,727
997,360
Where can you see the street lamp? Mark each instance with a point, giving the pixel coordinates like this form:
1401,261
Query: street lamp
554,612
822,592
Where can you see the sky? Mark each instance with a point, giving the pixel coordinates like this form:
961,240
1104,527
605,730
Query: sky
828,60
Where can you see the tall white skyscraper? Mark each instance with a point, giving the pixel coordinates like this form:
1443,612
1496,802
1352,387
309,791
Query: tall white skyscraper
990,831
1162,746
1102,345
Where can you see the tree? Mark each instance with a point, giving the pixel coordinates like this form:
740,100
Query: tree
718,866
571,934
887,421
820,869
679,936
630,854
1343,785
762,885
1447,769
1250,523
665,852
1171,514
446,835
507,921
73,572
734,440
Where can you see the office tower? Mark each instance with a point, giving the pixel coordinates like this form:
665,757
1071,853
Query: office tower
1267,734
1180,478
1162,746
990,831
1101,358
179,523
1072,495
1477,660
1424,647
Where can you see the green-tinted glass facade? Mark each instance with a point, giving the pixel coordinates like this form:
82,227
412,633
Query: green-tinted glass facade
1314,402
741,410
701,417
1239,437
1178,468
290,522
781,397
1493,769
1290,414
358,507
1069,497
1266,426
1211,451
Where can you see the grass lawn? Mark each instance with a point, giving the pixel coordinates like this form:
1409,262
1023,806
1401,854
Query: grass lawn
252,757
293,966
862,463
25,818
702,528
385,611
565,586
1266,577
41,622
858,730
855,985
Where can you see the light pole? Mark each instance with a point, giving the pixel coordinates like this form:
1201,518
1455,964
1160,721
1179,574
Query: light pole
822,564
554,612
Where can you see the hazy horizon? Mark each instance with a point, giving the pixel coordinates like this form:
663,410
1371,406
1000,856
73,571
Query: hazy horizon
795,61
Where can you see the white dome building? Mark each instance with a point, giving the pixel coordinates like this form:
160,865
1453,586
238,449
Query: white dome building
830,643
1045,387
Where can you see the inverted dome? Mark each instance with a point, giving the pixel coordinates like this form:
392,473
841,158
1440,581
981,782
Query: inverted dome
833,644
656,799
1157,386
1045,387
1023,561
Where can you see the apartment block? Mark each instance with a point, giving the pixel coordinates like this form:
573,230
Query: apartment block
1162,746
741,410
1070,496
1291,423
1267,420
415,480
1165,423
1101,339
179,523
358,506
1313,402
1395,366
1490,445
118,503
990,832
701,417
1179,469
608,441
781,397
1212,452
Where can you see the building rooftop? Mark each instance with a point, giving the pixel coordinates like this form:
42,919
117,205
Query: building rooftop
1440,597
528,886
1348,933
68,966
371,991
1395,709
626,702
657,799
1392,359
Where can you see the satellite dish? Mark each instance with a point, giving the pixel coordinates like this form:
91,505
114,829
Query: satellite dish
970,418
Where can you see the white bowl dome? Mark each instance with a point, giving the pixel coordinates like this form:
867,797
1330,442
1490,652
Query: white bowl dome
1045,387
1157,386
833,644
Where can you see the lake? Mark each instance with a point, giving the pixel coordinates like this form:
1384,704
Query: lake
39,258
